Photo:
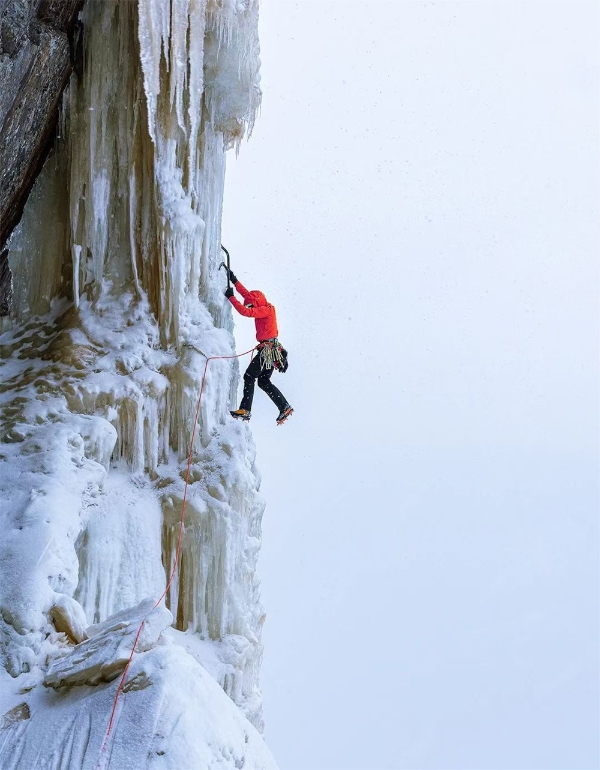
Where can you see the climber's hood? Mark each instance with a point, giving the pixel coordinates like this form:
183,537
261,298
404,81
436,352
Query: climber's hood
256,298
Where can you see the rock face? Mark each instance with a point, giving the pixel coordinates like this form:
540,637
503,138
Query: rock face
36,44
5,283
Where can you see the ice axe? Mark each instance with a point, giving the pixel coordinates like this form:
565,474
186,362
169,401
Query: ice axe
226,266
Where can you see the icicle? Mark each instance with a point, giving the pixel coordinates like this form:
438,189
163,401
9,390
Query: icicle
76,270
153,35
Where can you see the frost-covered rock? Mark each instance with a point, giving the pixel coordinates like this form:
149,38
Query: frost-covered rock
105,653
14,716
35,64
68,616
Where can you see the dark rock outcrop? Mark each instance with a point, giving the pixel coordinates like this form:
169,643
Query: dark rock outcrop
5,284
36,45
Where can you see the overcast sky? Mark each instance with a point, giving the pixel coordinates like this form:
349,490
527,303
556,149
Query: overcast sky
420,202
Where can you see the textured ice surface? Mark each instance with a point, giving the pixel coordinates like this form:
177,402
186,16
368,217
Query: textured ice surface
118,299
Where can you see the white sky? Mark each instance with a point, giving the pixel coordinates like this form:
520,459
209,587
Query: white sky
420,201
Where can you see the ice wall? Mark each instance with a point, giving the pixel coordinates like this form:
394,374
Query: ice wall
117,302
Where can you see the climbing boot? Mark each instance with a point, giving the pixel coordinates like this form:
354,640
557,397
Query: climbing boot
286,412
241,414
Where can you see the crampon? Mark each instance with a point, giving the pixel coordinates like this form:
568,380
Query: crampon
284,414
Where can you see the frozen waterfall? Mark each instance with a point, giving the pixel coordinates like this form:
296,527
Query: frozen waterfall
117,302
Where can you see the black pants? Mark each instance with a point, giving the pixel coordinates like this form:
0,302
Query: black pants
253,373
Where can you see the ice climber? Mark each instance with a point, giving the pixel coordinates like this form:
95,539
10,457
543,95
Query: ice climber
271,354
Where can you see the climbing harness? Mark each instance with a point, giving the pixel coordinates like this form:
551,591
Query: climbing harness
272,354
101,765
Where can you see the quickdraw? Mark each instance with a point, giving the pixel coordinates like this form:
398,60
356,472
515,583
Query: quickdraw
273,354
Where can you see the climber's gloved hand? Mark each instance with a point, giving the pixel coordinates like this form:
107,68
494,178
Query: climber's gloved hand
232,277
229,292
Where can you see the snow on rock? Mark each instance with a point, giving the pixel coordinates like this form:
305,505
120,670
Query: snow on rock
118,300
15,715
105,653
68,616
172,716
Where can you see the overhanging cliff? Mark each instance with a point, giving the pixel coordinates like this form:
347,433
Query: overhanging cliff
38,44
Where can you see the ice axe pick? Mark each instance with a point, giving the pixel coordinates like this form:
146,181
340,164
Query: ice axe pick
226,266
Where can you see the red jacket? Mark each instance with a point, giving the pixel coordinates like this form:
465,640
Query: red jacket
262,312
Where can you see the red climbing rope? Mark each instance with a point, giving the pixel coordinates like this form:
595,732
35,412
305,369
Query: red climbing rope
175,564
